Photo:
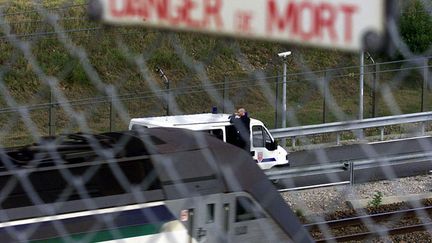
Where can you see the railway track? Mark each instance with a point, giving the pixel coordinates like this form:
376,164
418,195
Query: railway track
372,226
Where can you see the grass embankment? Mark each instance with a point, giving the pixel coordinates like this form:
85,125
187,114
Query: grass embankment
126,58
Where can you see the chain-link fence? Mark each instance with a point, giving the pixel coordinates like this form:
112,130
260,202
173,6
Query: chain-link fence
64,77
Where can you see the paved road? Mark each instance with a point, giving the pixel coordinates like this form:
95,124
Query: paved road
357,152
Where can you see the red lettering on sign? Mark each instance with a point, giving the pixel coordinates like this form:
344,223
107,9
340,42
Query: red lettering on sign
243,22
348,11
305,9
142,8
290,17
115,11
184,12
207,11
308,20
325,19
212,9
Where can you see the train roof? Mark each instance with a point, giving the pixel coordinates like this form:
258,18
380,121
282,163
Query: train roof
156,164
161,163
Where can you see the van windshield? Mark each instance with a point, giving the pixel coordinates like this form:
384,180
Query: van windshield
260,137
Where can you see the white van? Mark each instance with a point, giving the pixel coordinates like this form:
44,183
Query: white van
263,147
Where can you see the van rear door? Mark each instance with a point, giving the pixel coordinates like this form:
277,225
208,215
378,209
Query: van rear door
233,137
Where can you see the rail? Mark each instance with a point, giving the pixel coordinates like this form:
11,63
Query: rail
380,218
354,125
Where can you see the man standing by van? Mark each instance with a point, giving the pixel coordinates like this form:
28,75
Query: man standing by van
241,122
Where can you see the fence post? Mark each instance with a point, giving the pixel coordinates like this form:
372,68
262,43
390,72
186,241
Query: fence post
351,169
374,90
359,133
111,114
225,95
324,99
423,128
382,133
168,96
51,115
425,84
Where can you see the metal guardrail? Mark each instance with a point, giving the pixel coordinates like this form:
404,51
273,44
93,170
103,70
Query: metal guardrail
354,125
349,166
307,171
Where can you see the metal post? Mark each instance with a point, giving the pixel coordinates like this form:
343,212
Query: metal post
225,95
425,85
361,85
382,133
423,128
293,142
351,169
284,100
284,94
324,118
358,133
374,91
111,114
284,56
51,122
337,138
368,55
167,84
168,97
191,217
276,102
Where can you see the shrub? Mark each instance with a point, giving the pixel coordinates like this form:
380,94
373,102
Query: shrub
376,200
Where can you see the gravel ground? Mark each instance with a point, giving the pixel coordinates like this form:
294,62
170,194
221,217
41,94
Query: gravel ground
314,204
320,201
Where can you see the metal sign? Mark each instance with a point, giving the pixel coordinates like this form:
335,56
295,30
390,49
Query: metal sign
260,157
184,215
342,24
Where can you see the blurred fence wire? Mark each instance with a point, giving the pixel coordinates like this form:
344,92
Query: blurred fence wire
61,73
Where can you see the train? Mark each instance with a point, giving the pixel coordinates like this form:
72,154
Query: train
149,185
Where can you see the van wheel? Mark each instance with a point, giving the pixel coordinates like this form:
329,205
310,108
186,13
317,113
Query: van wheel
275,181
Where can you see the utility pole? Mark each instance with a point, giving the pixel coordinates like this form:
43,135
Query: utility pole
360,114
284,56
284,94
277,102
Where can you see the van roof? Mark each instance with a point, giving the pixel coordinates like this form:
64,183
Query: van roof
172,121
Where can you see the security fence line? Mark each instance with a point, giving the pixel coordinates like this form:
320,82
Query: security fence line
224,87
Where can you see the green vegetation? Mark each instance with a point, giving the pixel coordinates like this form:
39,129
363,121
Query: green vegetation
299,213
126,58
376,200
416,26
